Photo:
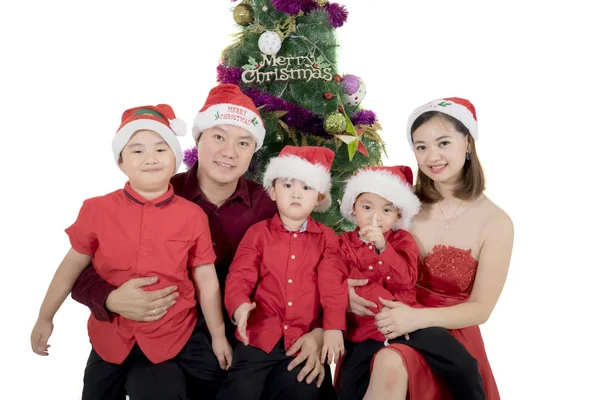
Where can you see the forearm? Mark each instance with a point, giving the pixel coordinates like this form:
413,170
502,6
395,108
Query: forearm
209,296
458,316
92,291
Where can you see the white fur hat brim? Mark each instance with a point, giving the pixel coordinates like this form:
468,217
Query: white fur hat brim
126,132
292,167
386,185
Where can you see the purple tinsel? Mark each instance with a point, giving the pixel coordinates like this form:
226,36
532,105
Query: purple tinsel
190,156
291,7
363,117
337,14
227,74
296,117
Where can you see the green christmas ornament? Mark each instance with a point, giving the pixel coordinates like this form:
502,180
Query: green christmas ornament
334,123
242,14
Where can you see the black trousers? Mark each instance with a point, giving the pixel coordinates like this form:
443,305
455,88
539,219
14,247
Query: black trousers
445,355
256,375
194,373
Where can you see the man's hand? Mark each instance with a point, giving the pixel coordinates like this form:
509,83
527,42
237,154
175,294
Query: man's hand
240,316
308,346
132,302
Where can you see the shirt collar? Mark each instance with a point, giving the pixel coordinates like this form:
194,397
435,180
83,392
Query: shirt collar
310,225
135,197
191,187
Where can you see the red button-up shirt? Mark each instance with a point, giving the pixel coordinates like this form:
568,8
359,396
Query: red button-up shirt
392,275
293,277
228,223
130,237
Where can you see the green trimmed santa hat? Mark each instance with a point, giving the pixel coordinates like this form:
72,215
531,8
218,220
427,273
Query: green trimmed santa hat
309,164
391,183
160,119
228,105
456,107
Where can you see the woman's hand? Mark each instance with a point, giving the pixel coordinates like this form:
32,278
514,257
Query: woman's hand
397,319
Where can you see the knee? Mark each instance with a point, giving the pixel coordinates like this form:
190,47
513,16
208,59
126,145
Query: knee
389,366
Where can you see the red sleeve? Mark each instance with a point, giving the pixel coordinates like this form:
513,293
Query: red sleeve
81,234
333,289
202,252
398,262
244,269
92,291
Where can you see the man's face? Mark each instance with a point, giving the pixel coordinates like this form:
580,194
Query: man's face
224,153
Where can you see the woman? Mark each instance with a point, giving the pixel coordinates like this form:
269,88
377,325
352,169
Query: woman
465,244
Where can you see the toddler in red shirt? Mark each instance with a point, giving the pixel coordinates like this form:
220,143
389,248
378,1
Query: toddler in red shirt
143,229
286,277
381,202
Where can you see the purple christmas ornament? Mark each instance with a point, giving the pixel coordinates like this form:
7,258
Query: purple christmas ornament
337,14
363,117
190,156
350,84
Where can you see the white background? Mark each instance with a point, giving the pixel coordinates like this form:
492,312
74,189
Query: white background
70,68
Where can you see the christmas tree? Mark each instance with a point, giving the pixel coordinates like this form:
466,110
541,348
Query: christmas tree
284,58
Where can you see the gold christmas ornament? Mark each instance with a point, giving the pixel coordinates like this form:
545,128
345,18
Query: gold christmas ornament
335,123
321,2
242,14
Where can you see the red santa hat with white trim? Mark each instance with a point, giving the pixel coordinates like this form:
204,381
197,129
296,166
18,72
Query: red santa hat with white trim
391,183
226,104
160,119
309,164
456,107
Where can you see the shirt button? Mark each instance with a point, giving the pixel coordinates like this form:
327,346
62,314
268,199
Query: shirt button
295,235
144,227
143,254
289,303
289,281
216,213
214,244
388,278
380,262
370,267
285,327
370,247
293,257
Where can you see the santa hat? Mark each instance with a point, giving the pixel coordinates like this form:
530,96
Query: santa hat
391,183
160,119
227,105
461,109
309,164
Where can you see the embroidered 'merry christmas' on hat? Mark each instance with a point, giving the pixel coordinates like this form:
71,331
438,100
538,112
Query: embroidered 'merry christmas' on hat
309,164
391,183
461,109
160,119
228,105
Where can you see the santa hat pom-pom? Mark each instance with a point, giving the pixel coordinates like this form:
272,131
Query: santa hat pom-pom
178,126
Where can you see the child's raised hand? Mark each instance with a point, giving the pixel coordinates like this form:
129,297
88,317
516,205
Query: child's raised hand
222,350
333,346
240,316
39,336
373,234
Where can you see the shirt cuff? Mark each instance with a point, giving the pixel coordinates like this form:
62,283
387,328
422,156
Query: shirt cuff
334,319
98,303
233,304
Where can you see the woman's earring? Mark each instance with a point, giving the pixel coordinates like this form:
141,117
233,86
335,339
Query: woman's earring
468,156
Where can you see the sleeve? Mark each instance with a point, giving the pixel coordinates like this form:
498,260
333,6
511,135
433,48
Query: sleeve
398,262
244,270
92,291
202,251
81,234
333,289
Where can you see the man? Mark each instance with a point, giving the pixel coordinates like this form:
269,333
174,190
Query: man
228,130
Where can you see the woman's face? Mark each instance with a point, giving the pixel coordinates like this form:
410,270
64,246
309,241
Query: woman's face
440,150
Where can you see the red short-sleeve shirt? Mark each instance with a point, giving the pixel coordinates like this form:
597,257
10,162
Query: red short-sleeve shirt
129,237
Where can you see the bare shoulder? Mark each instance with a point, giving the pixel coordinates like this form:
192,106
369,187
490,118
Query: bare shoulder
498,222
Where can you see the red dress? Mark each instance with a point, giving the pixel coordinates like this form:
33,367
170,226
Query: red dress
447,275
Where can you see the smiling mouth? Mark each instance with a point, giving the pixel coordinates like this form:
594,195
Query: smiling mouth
153,170
220,164
437,168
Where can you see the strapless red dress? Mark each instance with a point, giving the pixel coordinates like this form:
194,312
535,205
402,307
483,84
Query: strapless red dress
447,275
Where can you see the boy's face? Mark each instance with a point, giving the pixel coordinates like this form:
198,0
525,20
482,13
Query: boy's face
224,153
372,209
148,161
295,199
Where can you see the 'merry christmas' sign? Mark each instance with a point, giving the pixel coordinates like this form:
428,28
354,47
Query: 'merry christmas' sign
280,69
